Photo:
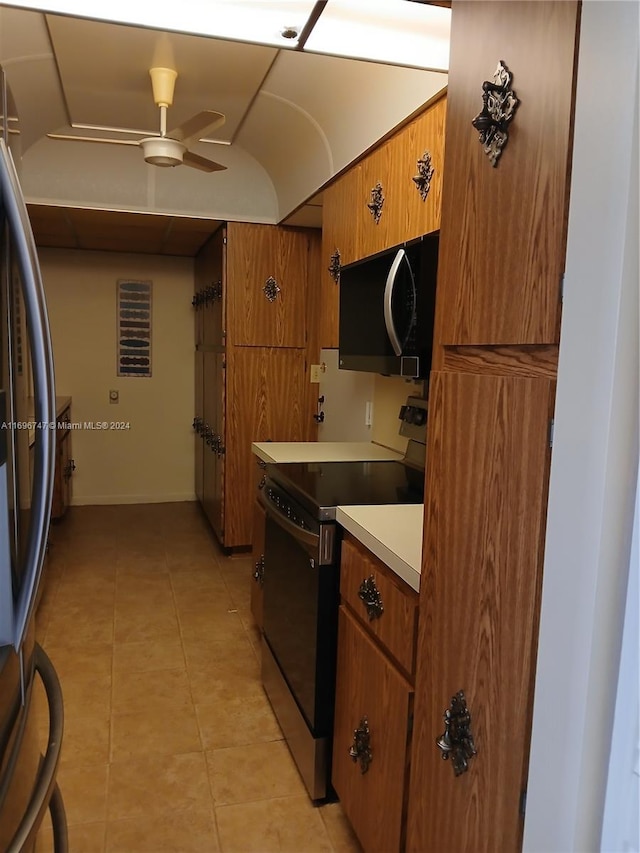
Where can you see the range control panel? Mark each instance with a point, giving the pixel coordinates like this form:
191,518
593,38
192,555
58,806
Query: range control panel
413,419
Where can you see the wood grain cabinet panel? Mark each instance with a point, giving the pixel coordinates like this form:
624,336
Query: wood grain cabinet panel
257,254
63,468
338,235
503,237
404,214
198,370
485,514
370,687
266,401
396,626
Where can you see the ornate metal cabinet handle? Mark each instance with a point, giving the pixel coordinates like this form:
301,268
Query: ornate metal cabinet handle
369,594
334,266
360,749
425,173
377,200
499,104
271,289
456,742
258,574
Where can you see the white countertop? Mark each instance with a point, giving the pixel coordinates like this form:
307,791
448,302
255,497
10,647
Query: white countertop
323,451
392,533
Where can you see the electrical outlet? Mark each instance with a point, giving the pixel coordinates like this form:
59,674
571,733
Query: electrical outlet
114,396
316,372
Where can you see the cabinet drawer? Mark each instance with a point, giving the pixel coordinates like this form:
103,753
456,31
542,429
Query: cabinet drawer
369,687
397,624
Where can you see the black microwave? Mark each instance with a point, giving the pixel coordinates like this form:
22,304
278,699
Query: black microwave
387,307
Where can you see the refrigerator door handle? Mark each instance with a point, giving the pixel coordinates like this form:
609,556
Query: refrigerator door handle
44,389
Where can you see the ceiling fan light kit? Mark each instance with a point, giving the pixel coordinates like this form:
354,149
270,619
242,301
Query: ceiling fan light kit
162,151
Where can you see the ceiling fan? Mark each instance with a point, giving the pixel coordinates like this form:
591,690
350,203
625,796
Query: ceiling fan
172,148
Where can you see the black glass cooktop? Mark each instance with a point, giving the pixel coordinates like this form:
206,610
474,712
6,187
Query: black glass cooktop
322,486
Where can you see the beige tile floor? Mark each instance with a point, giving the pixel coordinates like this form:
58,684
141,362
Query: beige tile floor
170,744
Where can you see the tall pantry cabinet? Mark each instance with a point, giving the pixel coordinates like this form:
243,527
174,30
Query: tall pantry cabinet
252,289
502,249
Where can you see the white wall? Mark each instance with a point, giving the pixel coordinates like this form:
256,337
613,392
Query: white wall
153,460
595,453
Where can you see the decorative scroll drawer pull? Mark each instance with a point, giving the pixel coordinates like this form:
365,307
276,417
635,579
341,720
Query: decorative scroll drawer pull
271,289
360,749
370,596
456,742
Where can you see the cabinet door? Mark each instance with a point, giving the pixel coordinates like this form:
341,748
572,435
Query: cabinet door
502,243
267,270
213,444
339,231
410,215
485,513
266,402
213,308
199,414
257,559
369,686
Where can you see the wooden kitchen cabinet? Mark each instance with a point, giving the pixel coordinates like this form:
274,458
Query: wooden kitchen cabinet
266,401
338,238
374,701
246,389
260,257
64,467
373,695
349,226
500,268
491,400
397,629
394,164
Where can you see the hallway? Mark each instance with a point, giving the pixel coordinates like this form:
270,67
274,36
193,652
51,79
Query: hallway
170,745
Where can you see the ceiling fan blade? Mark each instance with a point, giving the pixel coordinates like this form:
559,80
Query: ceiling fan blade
197,127
72,138
198,162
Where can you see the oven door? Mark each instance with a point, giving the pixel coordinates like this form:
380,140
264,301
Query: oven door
301,607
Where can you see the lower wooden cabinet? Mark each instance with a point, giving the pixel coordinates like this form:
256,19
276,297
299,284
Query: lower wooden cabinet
64,468
374,699
373,708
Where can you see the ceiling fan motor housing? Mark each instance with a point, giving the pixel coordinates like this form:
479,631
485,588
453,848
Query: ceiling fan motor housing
162,151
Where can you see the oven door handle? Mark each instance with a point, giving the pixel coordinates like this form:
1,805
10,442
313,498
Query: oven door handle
306,537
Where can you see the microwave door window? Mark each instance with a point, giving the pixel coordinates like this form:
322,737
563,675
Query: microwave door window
362,326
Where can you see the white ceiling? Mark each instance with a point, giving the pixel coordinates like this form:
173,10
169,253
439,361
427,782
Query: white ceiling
294,120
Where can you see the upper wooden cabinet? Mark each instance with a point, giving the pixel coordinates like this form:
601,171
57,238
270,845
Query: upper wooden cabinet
502,244
404,214
269,268
209,292
349,226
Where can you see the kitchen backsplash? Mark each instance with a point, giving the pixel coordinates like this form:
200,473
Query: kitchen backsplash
350,395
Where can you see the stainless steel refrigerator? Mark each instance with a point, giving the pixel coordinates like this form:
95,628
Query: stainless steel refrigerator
28,786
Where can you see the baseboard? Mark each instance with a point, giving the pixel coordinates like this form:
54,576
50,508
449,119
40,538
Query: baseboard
106,500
